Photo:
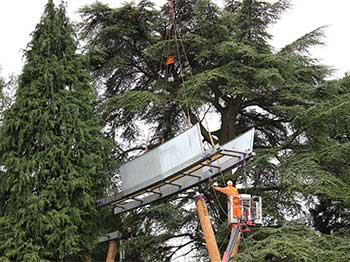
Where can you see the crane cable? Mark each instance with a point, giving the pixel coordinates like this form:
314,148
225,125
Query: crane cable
178,38
179,48
165,52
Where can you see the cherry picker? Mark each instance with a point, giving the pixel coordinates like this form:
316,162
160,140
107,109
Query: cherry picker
243,211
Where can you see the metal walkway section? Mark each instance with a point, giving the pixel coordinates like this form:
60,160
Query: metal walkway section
174,166
111,236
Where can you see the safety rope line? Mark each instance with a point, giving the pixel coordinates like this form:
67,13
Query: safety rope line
184,50
245,176
178,38
189,66
213,145
222,210
222,176
226,237
164,50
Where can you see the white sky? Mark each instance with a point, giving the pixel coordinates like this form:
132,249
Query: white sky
19,17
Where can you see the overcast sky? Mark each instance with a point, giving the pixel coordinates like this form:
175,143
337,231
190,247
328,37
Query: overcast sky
19,17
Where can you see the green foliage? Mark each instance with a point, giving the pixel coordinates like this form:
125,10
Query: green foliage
54,157
321,158
132,67
301,120
252,18
292,242
5,97
158,229
2,98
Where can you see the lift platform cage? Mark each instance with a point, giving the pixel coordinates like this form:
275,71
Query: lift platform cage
251,207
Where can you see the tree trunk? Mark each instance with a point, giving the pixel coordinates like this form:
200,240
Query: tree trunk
228,121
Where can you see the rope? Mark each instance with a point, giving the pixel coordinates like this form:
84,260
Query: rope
176,34
188,64
210,135
184,50
222,176
245,177
172,18
226,237
165,51
222,209
213,145
180,47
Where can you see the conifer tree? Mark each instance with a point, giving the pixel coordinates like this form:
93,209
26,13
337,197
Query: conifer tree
54,157
325,156
237,74
2,98
6,90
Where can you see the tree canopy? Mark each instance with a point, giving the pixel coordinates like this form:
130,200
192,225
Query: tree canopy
231,70
2,97
54,157
57,140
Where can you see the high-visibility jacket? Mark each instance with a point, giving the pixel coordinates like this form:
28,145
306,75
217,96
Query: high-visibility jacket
231,191
170,60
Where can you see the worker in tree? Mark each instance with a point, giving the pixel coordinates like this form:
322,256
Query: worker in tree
170,65
229,191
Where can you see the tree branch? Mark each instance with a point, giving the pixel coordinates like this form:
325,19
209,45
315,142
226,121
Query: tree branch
124,152
180,247
205,133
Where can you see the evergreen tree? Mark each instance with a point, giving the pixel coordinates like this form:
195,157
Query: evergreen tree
324,152
53,155
235,73
316,170
289,243
2,98
6,90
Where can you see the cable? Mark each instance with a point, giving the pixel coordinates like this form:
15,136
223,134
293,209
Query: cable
226,237
164,49
222,209
178,38
213,145
172,17
184,50
181,70
245,177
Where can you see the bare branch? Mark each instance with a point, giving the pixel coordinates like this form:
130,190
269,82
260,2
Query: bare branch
180,247
205,133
